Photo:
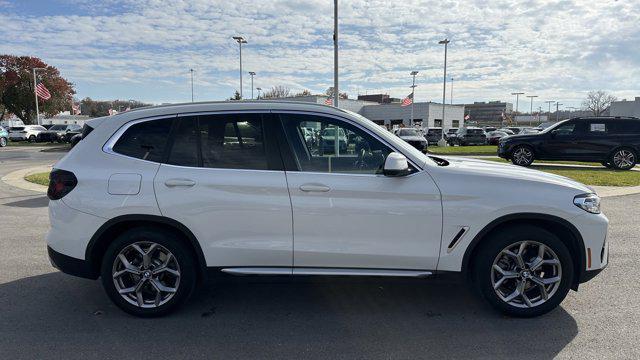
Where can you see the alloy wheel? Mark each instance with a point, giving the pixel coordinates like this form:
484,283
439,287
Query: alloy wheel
624,159
526,274
146,274
522,156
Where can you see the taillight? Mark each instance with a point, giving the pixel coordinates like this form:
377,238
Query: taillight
61,182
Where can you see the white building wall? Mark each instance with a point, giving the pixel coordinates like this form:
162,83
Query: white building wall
625,108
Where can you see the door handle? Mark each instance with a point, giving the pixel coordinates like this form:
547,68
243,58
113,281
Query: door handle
314,188
179,182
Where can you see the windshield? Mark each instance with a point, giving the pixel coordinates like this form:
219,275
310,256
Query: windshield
408,132
58,127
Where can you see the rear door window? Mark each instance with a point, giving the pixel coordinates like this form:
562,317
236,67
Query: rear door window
184,151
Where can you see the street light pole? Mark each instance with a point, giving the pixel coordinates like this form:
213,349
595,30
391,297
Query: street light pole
451,97
557,107
191,71
35,93
413,96
444,42
531,109
259,89
549,102
240,40
335,53
517,94
252,74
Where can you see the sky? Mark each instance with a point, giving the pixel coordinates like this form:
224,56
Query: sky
143,49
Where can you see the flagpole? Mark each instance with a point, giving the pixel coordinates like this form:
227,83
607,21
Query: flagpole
336,92
413,97
35,92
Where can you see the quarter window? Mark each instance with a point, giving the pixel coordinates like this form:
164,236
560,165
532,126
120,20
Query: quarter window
145,140
331,146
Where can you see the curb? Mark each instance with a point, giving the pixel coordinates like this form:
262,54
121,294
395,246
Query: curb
16,178
609,191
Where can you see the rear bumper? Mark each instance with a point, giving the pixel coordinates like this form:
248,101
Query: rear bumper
71,266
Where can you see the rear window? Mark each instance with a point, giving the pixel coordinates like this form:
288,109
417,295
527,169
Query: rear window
146,140
624,126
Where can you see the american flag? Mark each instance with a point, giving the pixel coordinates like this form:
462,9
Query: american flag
467,117
408,100
329,101
42,92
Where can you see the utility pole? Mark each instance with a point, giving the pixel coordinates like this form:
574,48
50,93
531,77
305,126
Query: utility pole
191,71
531,109
335,55
549,102
240,40
413,97
451,97
444,42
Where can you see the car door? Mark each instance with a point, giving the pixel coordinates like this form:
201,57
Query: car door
562,142
599,140
224,180
346,214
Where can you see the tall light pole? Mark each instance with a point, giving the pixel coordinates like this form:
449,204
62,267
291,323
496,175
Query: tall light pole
191,71
444,42
549,102
252,74
240,40
259,89
531,109
517,94
413,96
35,93
557,107
451,97
335,54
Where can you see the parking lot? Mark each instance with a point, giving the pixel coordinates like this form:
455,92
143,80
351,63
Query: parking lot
46,314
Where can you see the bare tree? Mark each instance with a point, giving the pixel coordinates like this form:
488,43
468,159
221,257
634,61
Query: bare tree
597,102
304,92
277,92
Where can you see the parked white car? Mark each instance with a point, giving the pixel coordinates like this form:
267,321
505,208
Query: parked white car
26,132
234,186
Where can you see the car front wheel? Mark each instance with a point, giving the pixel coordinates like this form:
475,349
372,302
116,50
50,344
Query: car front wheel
524,272
147,272
522,155
32,139
623,159
3,142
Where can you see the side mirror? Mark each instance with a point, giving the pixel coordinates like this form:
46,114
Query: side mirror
396,165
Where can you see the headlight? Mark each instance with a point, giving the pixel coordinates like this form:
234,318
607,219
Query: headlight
588,202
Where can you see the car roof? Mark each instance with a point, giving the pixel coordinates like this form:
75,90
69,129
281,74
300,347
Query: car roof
212,106
605,118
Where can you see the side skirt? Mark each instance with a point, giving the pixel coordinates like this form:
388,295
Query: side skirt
325,271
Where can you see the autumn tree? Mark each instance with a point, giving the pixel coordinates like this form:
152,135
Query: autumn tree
329,92
597,102
236,96
17,92
277,92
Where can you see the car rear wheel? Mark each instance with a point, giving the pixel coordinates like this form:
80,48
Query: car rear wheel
524,272
3,141
623,159
522,155
147,272
32,139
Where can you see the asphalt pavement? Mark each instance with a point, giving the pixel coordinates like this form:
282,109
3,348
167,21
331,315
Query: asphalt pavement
48,315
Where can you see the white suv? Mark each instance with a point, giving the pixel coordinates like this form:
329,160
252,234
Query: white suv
151,198
26,132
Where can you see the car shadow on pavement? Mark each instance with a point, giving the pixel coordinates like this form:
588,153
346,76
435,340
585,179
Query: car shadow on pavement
59,316
36,202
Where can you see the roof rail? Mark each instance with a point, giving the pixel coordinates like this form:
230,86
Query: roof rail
278,101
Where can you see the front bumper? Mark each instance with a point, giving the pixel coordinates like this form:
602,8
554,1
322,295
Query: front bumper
71,266
503,150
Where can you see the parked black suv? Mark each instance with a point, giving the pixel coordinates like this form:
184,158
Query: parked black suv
468,136
612,141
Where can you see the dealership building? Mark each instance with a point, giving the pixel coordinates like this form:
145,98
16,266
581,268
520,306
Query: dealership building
488,113
425,114
625,108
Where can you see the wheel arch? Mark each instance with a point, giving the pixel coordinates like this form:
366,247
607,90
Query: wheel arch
116,226
635,150
562,228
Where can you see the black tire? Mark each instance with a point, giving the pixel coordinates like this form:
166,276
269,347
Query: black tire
182,254
3,142
607,164
522,155
493,246
32,139
623,159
